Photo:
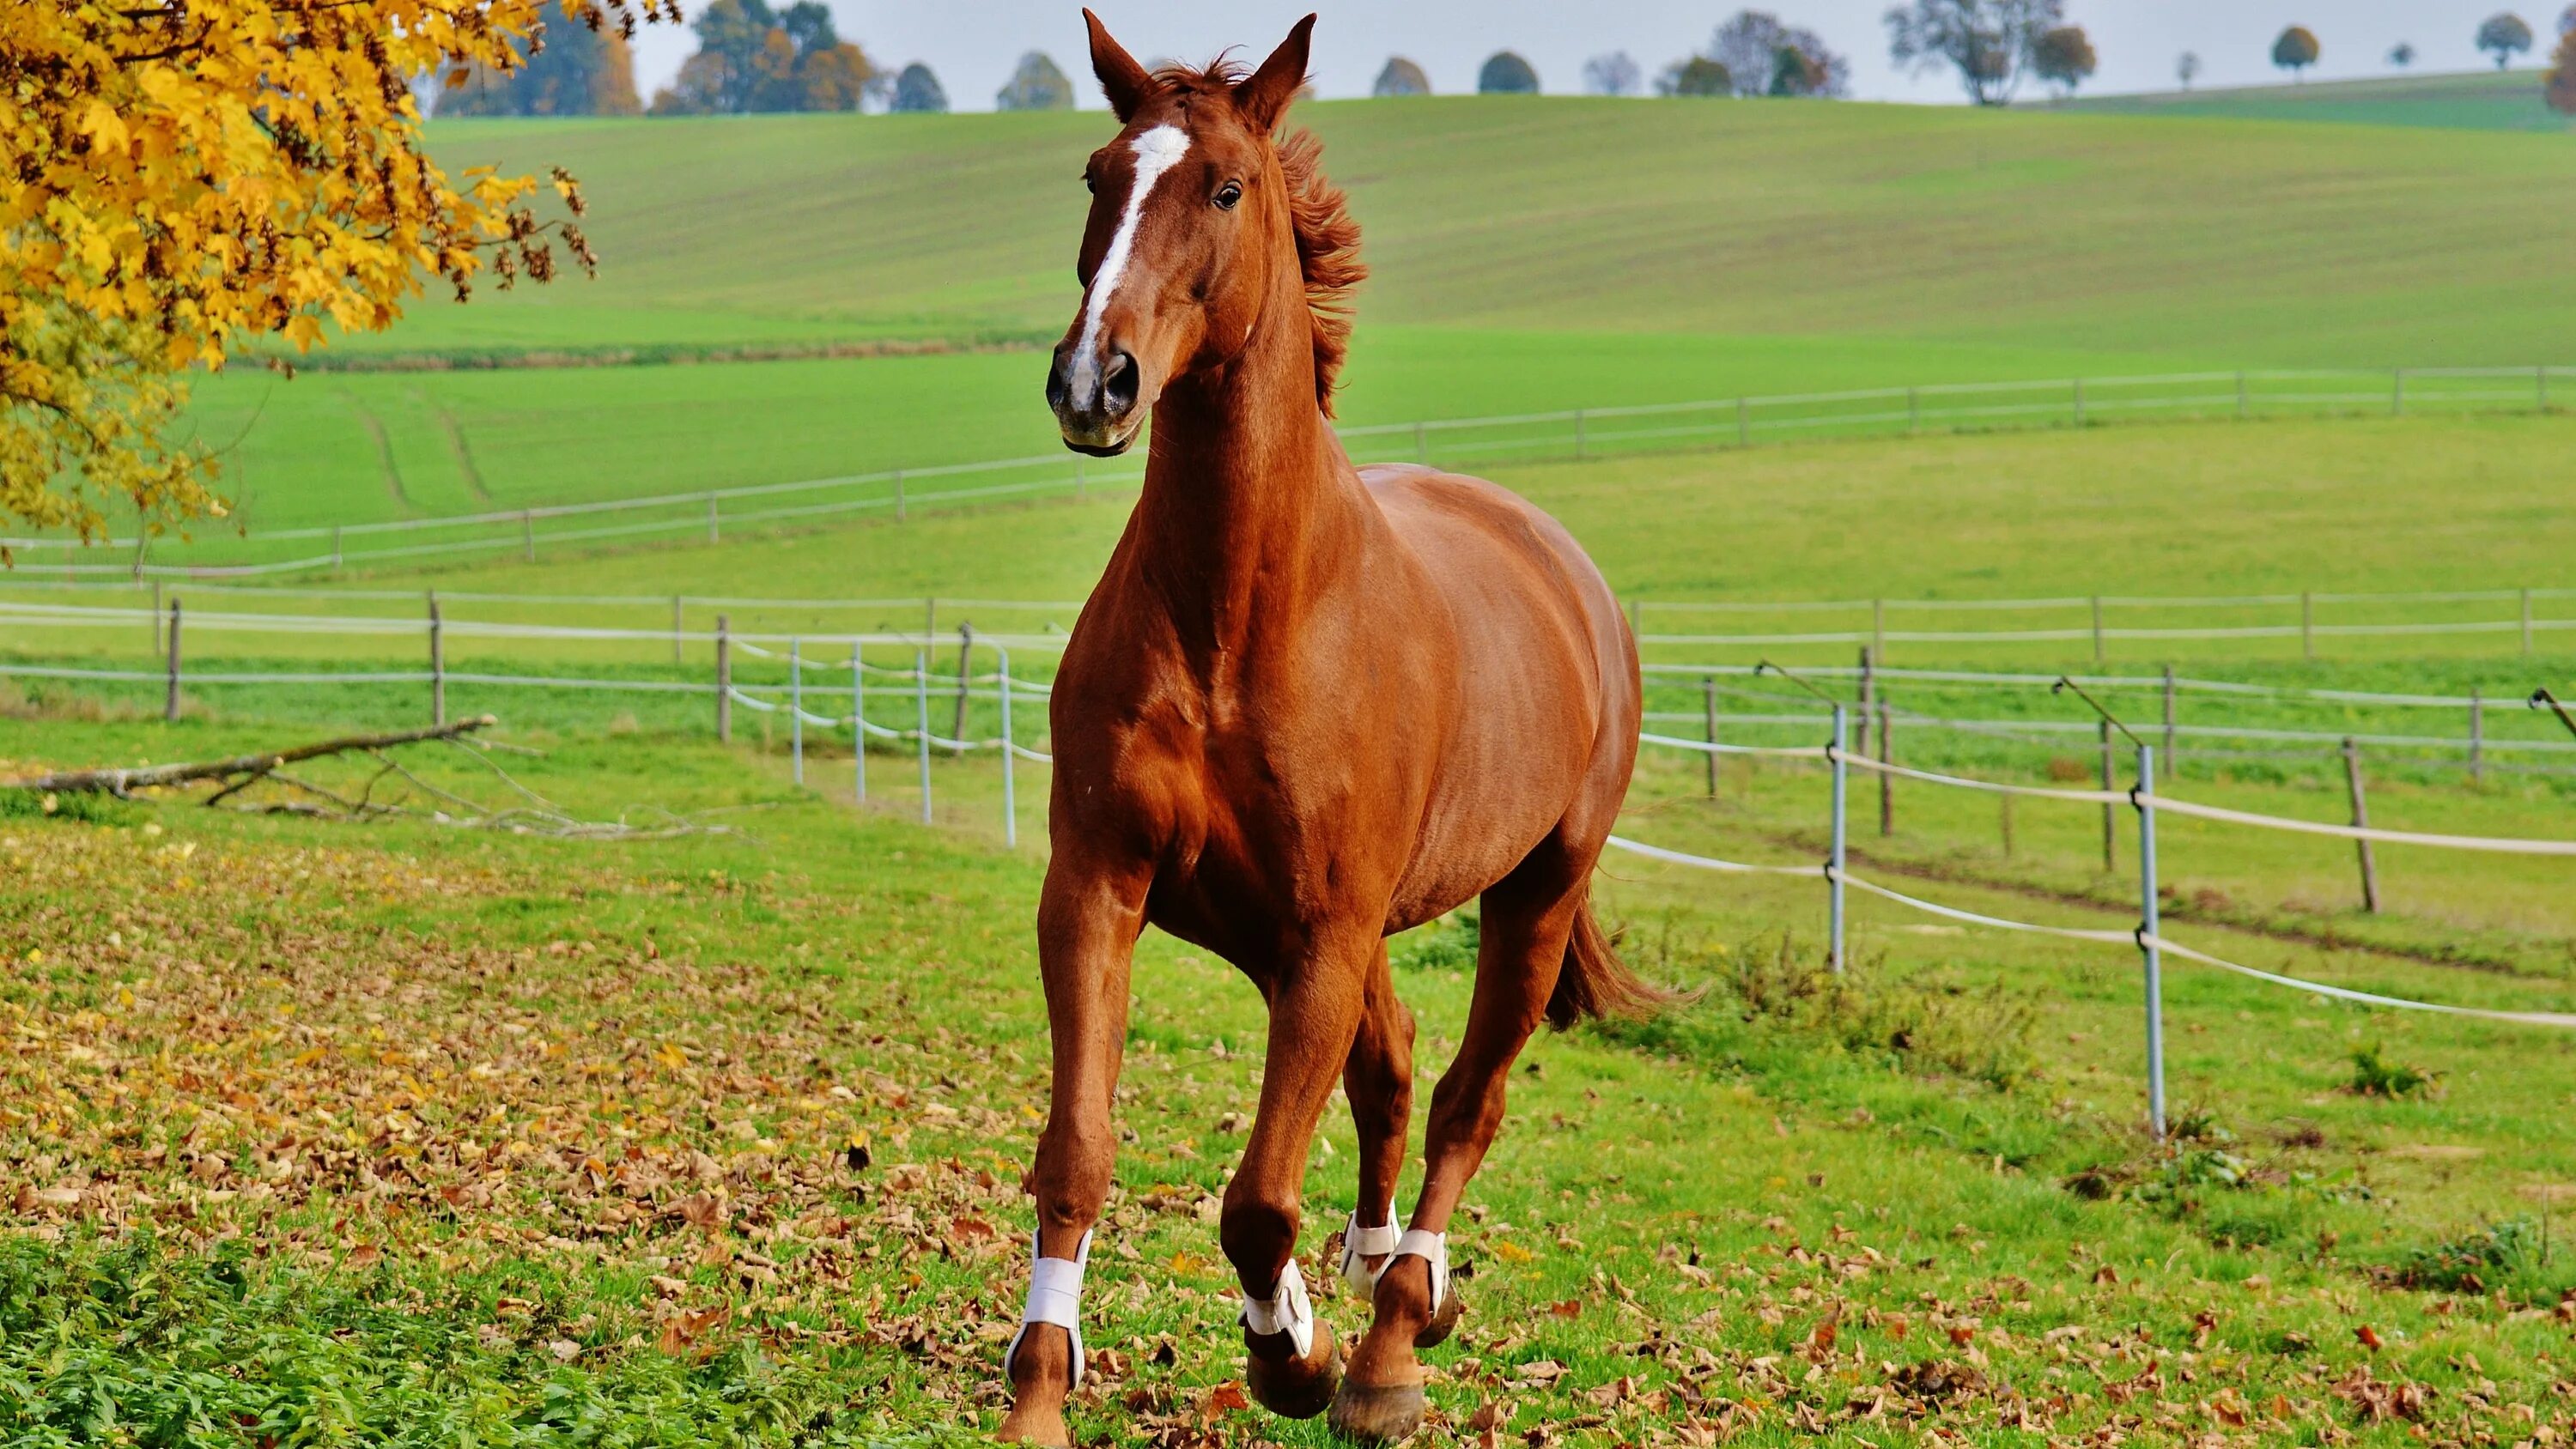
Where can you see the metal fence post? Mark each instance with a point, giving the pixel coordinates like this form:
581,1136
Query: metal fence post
2361,821
437,662
1708,701
1834,866
921,720
724,680
858,725
170,705
1010,793
796,708
2150,929
2477,735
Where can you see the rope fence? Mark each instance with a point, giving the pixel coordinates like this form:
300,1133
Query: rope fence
1580,434
2147,938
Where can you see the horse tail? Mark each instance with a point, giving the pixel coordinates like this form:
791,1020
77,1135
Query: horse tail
1595,982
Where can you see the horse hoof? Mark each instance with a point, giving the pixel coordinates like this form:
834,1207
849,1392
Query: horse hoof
1029,1425
1442,1322
1377,1415
1297,1388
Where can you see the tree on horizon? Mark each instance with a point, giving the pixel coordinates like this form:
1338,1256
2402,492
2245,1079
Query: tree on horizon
572,68
2504,35
2296,50
2064,57
1401,77
1036,84
753,59
1990,43
1506,74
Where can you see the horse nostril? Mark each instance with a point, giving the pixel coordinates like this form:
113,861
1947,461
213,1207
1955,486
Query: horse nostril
1118,385
1059,383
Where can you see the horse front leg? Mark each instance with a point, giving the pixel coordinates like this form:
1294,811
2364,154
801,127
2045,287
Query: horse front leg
1088,921
1293,1361
1379,1082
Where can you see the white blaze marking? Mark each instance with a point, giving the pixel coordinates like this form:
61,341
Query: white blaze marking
1157,151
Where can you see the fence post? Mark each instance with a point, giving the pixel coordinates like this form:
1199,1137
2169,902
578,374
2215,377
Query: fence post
929,619
921,719
2079,402
2544,387
676,628
1421,446
898,495
1886,756
858,725
2171,754
965,649
1708,702
170,705
1834,865
528,532
1010,795
2397,393
2307,625
1578,435
724,680
2110,812
1743,422
2150,929
2097,628
1868,694
437,662
2361,821
2477,735
2240,395
335,547
796,708
715,531
2008,826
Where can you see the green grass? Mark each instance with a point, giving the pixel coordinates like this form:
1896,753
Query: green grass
402,1133
2481,100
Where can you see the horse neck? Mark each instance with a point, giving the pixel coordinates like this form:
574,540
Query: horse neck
1249,504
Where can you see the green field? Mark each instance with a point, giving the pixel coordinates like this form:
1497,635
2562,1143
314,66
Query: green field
2482,100
1777,249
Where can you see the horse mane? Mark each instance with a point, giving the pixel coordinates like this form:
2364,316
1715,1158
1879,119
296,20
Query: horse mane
1328,238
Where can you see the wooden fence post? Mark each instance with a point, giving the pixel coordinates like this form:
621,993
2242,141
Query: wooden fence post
2079,402
2169,720
676,629
2477,735
1886,756
170,704
2110,812
2361,821
528,532
2008,826
724,680
1708,701
1868,695
898,495
2240,396
437,663
715,530
965,652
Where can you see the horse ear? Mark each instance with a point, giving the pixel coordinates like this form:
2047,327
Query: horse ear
1121,78
1264,95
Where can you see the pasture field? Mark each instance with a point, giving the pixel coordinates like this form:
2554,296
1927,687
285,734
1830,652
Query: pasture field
408,1133
1771,248
2480,100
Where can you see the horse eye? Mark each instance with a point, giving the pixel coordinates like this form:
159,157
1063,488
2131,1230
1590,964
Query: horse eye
1228,195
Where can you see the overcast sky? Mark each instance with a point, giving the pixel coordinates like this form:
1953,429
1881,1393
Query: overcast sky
972,44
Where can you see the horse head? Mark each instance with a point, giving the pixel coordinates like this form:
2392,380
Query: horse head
1189,240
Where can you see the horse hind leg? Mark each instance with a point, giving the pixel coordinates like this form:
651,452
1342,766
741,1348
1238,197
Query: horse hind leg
1528,920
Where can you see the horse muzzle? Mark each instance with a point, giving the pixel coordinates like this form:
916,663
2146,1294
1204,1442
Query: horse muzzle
1096,401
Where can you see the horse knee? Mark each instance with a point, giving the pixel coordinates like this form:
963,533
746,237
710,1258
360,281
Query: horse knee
1072,1176
1257,1238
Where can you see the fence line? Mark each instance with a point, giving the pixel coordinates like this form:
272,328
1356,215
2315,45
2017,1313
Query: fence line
2147,937
1579,432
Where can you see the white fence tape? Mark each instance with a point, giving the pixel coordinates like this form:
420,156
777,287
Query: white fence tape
2167,805
1702,862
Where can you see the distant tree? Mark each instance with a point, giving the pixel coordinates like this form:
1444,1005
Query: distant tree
1506,74
1749,47
1037,85
1697,76
2504,36
1401,78
2402,54
1988,42
2064,57
2562,75
1796,75
753,58
2296,50
1615,74
572,69
916,89
2187,68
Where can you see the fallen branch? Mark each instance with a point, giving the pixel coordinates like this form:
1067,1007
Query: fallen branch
121,782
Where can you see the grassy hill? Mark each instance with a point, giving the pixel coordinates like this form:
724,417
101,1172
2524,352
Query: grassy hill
2483,100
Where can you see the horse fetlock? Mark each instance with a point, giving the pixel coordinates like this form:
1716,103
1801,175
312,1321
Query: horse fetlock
1040,1367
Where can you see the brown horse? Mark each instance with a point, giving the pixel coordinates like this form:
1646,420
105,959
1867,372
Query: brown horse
1307,707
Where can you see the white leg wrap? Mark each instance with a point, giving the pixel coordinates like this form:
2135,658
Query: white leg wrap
1360,1244
1055,1296
1432,1248
1288,1311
